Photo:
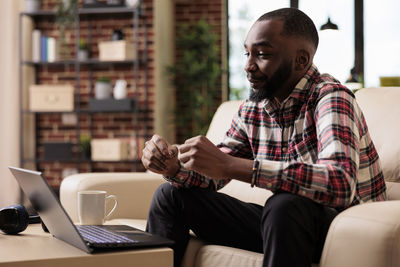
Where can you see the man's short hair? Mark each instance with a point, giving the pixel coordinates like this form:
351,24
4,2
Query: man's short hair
296,23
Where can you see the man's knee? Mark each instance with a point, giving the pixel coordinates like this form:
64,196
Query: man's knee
164,191
163,195
165,210
283,209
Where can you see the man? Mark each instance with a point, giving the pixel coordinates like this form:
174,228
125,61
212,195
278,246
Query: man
301,135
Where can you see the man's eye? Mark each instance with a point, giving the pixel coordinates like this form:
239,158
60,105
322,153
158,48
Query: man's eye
247,54
262,55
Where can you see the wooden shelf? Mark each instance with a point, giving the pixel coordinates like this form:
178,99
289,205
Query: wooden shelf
89,62
84,111
109,10
79,160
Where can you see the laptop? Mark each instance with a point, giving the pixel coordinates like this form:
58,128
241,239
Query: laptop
89,238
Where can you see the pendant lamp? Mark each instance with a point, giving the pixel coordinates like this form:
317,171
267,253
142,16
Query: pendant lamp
329,25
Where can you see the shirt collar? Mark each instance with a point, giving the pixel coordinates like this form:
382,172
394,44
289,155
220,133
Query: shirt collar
302,88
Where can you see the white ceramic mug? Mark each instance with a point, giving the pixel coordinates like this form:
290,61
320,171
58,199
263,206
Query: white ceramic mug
92,207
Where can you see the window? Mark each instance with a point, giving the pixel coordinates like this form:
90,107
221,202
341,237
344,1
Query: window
381,40
335,54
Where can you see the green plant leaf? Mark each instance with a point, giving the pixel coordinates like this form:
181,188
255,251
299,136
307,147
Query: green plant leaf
196,76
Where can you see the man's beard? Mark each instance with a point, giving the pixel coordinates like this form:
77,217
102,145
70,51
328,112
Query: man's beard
273,84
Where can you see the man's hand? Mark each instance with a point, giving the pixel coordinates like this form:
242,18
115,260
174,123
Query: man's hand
200,155
160,157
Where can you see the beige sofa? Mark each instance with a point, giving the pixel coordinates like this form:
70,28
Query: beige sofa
367,235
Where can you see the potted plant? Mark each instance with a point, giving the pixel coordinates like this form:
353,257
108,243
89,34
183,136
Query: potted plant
66,18
84,142
102,88
83,52
196,76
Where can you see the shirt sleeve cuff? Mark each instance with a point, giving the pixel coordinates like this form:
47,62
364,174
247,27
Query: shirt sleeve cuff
179,178
269,174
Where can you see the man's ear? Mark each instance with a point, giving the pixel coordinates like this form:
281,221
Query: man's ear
303,58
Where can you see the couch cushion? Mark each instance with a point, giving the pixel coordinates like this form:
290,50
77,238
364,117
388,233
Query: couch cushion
382,112
393,191
216,256
221,121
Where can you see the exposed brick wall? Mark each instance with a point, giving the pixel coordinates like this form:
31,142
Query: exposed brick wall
100,125
109,125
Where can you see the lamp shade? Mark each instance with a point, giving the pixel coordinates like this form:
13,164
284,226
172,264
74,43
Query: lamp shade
329,25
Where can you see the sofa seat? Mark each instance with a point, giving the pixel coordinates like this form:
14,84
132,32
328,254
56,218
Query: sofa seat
199,253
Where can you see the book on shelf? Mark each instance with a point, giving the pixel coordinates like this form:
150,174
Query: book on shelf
44,48
36,36
51,49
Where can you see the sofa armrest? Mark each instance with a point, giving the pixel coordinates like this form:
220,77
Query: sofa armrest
134,191
366,235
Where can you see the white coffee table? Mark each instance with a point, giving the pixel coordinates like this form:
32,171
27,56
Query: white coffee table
35,248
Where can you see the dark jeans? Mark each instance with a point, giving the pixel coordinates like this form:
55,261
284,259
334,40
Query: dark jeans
289,230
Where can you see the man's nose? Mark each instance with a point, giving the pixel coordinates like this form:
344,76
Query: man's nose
250,66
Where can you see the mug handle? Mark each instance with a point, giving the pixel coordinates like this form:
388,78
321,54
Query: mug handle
115,205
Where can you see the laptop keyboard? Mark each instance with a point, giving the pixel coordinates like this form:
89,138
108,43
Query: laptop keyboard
97,235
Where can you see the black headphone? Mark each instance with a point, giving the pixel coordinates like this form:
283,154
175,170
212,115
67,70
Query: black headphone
15,219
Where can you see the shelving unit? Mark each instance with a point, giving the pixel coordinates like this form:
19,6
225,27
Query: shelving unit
138,68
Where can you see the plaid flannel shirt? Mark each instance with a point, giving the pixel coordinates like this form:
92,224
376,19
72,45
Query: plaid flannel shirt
315,144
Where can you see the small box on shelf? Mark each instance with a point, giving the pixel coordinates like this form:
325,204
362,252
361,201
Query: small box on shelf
110,104
51,97
114,149
116,51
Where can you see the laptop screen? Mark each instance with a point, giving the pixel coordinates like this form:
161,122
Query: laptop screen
48,206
